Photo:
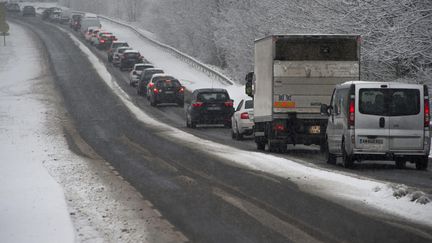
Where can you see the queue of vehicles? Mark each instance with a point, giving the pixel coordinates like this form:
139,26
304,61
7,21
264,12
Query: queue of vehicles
302,92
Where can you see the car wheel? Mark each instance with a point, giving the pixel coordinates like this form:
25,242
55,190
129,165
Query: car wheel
152,102
348,161
330,158
422,163
233,134
400,163
238,135
260,146
192,124
187,122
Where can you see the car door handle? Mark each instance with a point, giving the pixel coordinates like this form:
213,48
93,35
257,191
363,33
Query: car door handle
381,122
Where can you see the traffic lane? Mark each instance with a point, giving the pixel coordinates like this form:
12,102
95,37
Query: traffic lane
146,163
175,116
206,198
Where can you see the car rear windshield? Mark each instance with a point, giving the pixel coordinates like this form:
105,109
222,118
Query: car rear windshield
141,67
249,104
389,102
132,54
169,83
212,96
115,45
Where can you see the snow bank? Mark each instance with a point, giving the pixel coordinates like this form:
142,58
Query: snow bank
32,205
334,185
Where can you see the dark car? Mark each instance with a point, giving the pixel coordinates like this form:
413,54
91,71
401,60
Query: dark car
129,59
209,106
13,8
29,11
105,41
75,22
167,91
49,13
144,79
114,45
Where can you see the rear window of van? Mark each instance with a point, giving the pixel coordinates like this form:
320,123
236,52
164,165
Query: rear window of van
389,102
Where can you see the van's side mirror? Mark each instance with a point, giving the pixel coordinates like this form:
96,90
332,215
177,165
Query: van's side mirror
249,83
325,109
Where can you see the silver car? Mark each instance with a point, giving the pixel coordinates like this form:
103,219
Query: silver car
242,120
378,121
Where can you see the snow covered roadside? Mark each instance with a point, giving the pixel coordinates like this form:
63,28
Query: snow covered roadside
32,204
189,77
342,188
48,192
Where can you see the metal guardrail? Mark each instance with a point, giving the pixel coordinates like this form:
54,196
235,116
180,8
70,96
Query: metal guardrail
184,57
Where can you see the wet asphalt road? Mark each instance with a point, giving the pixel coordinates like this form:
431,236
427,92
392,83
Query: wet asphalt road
206,199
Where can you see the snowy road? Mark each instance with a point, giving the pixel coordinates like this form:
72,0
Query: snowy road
206,197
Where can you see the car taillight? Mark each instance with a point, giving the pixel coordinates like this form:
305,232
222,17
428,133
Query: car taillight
156,91
151,85
279,127
181,90
351,113
244,115
197,104
229,103
102,41
426,113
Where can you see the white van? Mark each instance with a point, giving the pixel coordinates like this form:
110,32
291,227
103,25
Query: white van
378,121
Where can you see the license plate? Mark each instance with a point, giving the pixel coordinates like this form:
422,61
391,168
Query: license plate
213,108
169,92
314,129
371,141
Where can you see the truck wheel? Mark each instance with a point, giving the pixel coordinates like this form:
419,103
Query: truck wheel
272,147
348,161
400,163
422,163
330,158
260,146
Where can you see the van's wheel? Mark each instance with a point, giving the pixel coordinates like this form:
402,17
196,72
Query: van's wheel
400,163
348,161
422,163
260,146
330,158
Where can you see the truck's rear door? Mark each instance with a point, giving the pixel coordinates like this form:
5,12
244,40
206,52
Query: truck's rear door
306,69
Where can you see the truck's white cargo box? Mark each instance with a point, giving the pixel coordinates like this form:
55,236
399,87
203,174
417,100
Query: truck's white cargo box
297,73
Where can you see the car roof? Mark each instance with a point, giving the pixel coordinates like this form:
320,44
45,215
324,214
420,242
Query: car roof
119,42
157,75
365,83
153,69
131,51
210,90
124,47
144,64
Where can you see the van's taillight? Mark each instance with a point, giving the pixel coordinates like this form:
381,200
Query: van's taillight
197,104
426,113
244,115
351,114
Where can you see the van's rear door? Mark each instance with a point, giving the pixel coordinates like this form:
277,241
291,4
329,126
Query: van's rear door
371,120
406,117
